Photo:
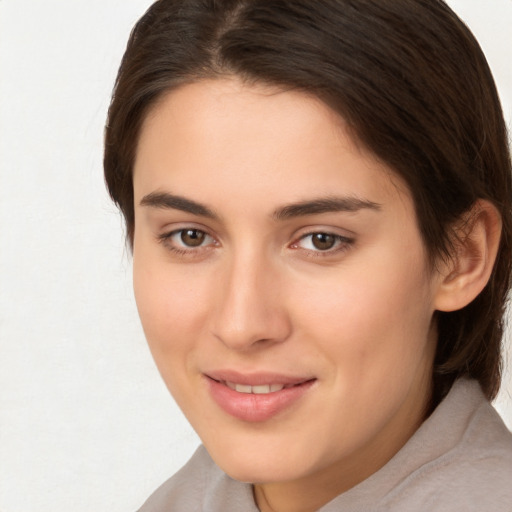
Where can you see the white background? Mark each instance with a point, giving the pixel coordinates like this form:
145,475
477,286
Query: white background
85,423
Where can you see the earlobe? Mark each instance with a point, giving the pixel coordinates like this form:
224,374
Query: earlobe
475,248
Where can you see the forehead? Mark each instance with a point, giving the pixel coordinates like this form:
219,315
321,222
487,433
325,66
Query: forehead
225,136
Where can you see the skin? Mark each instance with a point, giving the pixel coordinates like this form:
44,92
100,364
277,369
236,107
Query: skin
257,295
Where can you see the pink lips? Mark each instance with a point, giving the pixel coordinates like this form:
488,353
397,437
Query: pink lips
255,407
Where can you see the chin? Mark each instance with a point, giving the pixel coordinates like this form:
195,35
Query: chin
255,464
255,473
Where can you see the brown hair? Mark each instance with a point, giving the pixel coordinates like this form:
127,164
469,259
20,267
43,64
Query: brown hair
408,77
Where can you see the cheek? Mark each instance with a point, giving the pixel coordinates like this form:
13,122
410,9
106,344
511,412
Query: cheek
172,319
171,307
370,319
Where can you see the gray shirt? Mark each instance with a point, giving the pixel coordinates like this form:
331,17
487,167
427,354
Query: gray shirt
459,460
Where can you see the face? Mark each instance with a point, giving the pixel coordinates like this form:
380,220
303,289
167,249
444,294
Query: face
282,283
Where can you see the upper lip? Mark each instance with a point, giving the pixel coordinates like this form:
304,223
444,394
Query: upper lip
256,378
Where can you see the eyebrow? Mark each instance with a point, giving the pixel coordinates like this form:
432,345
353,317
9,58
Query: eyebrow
164,200
324,205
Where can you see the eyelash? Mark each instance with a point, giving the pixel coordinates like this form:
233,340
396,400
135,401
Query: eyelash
166,240
341,243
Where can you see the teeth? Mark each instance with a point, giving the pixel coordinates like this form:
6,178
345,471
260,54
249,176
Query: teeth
242,388
257,390
261,390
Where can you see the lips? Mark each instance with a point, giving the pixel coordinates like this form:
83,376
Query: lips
256,397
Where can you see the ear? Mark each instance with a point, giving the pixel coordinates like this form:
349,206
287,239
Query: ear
464,276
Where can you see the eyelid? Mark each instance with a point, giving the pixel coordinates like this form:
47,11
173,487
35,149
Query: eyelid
166,237
343,242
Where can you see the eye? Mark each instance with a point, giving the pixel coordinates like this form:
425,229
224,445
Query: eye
322,242
187,239
192,237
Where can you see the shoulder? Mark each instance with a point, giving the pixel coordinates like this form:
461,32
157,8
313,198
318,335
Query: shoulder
475,473
479,469
200,486
459,460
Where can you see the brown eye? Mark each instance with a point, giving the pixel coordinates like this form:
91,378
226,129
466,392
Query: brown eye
319,242
188,241
323,241
192,237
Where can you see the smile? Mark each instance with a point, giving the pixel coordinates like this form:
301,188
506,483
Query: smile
256,390
257,398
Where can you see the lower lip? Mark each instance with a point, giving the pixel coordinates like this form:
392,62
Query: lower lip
253,407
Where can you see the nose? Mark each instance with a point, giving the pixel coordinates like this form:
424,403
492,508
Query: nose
250,311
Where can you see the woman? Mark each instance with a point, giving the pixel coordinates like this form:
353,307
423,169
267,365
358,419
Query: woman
318,198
